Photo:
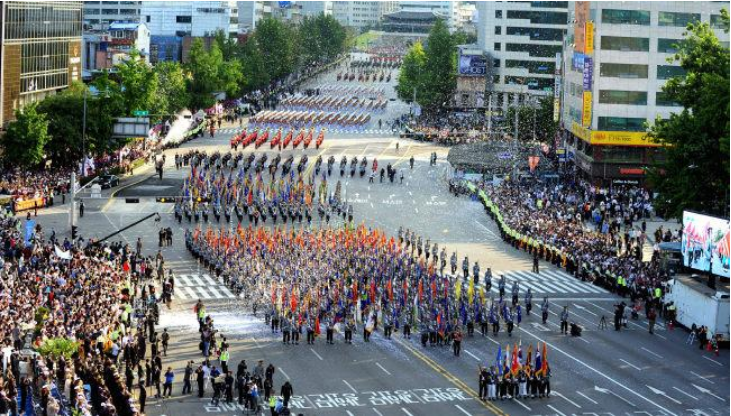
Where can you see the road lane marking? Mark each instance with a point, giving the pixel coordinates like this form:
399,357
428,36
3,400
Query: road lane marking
631,365
349,413
316,354
452,378
462,410
407,412
597,371
713,361
653,353
350,387
586,397
377,412
700,376
522,404
472,355
384,370
556,410
565,398
485,228
681,391
283,373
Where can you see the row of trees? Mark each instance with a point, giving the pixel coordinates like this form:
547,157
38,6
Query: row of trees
53,129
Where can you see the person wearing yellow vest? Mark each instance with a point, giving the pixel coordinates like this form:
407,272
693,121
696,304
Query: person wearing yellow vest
224,360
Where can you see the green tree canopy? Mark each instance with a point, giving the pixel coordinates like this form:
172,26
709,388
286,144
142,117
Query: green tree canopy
203,67
139,84
26,137
695,172
411,72
276,40
172,89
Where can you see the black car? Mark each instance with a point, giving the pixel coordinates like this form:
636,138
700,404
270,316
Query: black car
107,181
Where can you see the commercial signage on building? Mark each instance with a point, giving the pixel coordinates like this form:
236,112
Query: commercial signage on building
472,65
612,138
589,38
581,15
586,110
631,171
577,61
557,88
588,72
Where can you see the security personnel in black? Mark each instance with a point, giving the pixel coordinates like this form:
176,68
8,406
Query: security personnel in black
565,320
407,326
387,325
515,292
310,332
349,329
494,320
465,268
528,301
483,377
509,322
544,310
330,330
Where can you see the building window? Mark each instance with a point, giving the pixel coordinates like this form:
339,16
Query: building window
147,19
91,11
623,70
677,19
497,46
546,51
550,4
498,14
669,71
626,17
183,19
536,17
621,124
534,84
534,67
498,30
110,11
537,33
623,97
663,100
668,45
615,43
496,63
128,11
717,21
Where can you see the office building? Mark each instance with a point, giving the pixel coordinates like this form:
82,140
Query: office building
615,65
523,39
104,49
40,51
315,8
190,18
98,15
362,14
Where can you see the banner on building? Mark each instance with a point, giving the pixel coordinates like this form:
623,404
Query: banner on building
586,110
581,15
589,38
588,72
472,65
577,61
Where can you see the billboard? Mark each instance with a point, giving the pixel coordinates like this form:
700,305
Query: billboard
472,65
586,110
589,38
705,243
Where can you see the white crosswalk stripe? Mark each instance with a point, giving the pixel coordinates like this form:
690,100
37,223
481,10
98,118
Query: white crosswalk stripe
203,286
545,282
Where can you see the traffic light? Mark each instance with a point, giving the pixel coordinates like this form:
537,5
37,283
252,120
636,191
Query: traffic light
74,232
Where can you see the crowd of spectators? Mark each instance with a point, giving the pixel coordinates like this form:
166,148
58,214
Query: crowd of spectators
80,292
601,231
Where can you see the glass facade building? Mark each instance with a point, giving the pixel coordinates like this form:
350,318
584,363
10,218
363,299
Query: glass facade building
41,51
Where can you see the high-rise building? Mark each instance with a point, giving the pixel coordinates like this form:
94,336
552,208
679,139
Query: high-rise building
40,51
314,8
615,66
362,14
190,18
98,15
523,39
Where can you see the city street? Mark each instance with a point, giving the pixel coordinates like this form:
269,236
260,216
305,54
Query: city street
603,372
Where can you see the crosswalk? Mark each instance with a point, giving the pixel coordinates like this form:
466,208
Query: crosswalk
200,286
553,282
230,130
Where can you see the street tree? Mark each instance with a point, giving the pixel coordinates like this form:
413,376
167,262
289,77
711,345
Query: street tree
439,75
139,84
695,172
255,74
172,89
276,42
204,68
26,137
412,70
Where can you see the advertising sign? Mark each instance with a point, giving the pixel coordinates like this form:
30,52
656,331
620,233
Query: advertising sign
621,138
589,38
581,15
577,61
586,110
588,73
705,243
472,65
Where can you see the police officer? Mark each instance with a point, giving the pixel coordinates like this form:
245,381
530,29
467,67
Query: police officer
488,280
501,285
465,268
528,301
515,292
453,262
476,273
544,310
565,320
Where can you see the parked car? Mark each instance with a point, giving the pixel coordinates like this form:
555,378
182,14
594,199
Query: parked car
107,181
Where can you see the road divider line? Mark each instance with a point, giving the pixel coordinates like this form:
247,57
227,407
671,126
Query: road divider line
682,392
651,352
565,398
349,413
316,354
384,370
452,378
407,412
462,410
522,404
472,355
377,412
283,373
556,410
631,365
700,376
713,361
350,387
586,397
